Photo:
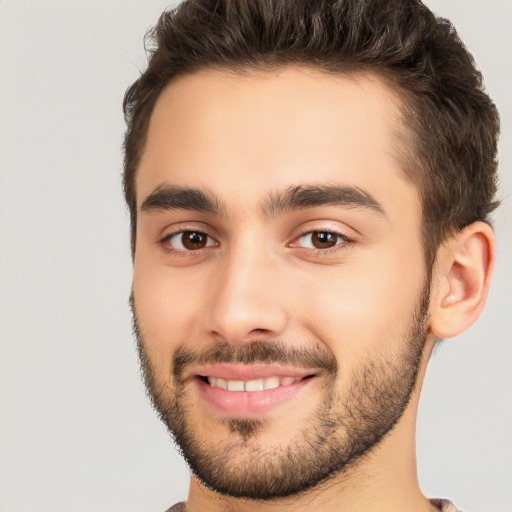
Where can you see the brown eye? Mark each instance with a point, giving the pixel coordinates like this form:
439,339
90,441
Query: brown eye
189,241
192,240
324,239
320,240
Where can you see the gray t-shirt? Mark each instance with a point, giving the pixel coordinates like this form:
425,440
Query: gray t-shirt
442,505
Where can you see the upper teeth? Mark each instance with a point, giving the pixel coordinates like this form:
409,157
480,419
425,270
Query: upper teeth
252,385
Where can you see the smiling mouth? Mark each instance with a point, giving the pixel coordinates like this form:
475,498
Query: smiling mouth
254,385
234,390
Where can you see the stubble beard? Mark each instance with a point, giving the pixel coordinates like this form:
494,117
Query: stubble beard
344,428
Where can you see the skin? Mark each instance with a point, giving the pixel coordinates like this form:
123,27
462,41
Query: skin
244,137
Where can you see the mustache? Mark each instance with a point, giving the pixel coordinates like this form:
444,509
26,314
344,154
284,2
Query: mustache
264,352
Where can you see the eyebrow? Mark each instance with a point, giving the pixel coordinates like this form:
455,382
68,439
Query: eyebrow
172,197
310,196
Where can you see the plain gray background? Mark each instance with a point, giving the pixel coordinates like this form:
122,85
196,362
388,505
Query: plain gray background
76,431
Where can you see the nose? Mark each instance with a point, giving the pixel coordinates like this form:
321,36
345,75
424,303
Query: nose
247,302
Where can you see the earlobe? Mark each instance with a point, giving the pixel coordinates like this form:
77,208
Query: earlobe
461,280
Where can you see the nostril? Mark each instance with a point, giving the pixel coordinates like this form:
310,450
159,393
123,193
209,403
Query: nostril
259,330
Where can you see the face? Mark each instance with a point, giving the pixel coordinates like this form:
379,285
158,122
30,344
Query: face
280,290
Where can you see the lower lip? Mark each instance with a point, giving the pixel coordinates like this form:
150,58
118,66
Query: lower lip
249,404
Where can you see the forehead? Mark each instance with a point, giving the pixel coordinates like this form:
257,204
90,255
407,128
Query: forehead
247,134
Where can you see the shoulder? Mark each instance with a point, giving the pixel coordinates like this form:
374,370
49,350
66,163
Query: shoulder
179,507
443,505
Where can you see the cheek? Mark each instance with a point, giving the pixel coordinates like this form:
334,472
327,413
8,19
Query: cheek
166,308
362,306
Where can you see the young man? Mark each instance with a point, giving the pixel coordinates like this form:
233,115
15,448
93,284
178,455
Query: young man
310,185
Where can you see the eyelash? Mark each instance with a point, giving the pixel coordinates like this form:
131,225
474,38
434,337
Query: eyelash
168,248
341,243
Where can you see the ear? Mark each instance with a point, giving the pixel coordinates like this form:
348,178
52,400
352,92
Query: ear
461,280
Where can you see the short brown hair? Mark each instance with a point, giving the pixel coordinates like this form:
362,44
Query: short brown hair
452,124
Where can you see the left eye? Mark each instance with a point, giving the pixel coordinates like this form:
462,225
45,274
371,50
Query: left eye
189,241
320,240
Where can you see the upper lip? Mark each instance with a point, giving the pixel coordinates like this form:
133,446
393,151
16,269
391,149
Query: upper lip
244,372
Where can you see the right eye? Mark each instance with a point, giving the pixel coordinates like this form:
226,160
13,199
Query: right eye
188,241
